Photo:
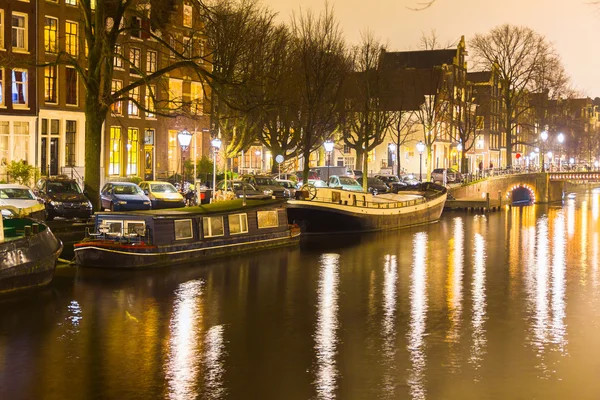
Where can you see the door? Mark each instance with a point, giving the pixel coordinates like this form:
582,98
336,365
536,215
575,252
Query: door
44,160
54,156
149,163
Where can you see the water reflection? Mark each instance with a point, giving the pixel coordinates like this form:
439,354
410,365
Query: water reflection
558,282
479,299
183,365
418,316
388,328
214,363
583,242
454,289
327,325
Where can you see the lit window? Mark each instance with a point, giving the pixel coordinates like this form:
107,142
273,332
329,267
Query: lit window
267,219
238,223
71,38
117,106
132,151
1,29
19,89
136,25
1,86
187,15
118,57
135,56
151,61
4,136
212,226
19,31
187,47
175,93
196,96
150,101
70,134
71,2
115,151
173,151
133,109
183,229
50,84
51,34
72,84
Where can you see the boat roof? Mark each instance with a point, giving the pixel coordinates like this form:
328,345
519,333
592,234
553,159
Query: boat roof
213,208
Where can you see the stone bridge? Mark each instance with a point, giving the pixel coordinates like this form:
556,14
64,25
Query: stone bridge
541,187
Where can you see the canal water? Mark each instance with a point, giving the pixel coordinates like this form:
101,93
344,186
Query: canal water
498,306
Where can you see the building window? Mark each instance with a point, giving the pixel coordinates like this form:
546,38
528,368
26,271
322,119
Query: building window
136,25
1,86
132,150
72,85
19,31
238,223
183,229
19,87
150,101
114,161
4,135
71,2
175,93
187,47
133,108
117,106
135,56
51,34
70,134
267,219
71,38
20,149
187,15
196,95
173,152
1,28
212,226
118,57
151,61
50,84
172,45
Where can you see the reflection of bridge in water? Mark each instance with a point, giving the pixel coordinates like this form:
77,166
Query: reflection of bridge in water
538,187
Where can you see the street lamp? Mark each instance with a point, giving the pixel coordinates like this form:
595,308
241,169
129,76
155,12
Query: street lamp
596,164
420,149
531,158
561,139
571,161
459,148
258,160
544,137
392,149
550,160
216,144
328,149
184,138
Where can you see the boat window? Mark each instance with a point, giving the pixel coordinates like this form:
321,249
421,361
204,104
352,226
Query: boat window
136,228
111,228
267,219
183,229
212,226
238,223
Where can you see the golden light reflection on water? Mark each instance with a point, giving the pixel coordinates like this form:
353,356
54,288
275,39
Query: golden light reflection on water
571,207
558,282
540,288
183,364
479,297
214,364
327,326
388,325
454,290
418,316
584,242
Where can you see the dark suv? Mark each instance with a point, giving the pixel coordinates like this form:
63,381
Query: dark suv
266,184
452,175
63,197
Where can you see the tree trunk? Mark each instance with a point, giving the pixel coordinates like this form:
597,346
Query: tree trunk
306,167
93,142
365,169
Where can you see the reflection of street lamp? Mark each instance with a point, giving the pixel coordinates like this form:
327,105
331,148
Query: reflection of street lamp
561,139
184,138
392,149
420,149
216,144
328,149
544,137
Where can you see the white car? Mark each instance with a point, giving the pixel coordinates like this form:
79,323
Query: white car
23,199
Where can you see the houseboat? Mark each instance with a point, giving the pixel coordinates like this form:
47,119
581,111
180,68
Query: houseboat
28,252
156,238
331,210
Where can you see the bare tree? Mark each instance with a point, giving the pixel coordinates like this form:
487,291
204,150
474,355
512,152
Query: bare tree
466,122
321,67
523,59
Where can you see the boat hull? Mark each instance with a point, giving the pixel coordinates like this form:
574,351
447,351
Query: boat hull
108,255
28,262
318,217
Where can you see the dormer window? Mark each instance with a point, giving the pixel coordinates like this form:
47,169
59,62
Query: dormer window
136,26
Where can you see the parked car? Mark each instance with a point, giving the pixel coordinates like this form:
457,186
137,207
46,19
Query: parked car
356,173
121,196
393,182
289,185
240,188
374,185
345,182
267,185
410,180
162,194
452,175
22,198
63,197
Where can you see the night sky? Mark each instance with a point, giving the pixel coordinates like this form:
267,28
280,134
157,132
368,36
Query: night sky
572,25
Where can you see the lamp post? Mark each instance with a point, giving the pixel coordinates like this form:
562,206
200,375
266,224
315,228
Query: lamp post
561,139
328,149
596,164
184,138
216,144
420,149
392,149
544,137
550,155
571,162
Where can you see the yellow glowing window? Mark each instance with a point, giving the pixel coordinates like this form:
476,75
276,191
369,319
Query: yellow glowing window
150,101
267,219
133,109
50,34
115,151
71,46
50,84
212,226
132,151
117,106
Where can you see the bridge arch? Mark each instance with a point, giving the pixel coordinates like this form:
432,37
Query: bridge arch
521,192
